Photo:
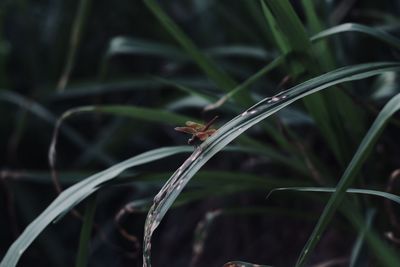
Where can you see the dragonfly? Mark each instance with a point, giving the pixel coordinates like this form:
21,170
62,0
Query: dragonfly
199,132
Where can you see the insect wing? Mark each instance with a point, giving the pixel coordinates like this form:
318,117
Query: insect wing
188,130
194,125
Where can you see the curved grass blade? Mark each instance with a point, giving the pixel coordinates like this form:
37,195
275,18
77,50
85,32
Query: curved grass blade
235,127
283,142
136,46
124,85
378,193
41,112
355,27
128,45
349,175
148,114
257,53
162,116
343,28
382,251
75,194
270,130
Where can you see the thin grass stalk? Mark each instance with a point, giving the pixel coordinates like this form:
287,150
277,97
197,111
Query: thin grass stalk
75,39
86,230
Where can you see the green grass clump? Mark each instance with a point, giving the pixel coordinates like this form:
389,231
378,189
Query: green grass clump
306,102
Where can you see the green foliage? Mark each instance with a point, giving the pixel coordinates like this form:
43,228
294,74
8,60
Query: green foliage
85,86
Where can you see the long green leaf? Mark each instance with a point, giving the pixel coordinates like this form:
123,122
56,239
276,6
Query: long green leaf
281,15
205,63
211,180
75,38
75,194
86,230
378,193
279,38
127,45
357,252
290,25
257,149
162,116
136,46
127,85
44,114
322,50
383,252
235,127
354,27
148,114
248,82
349,175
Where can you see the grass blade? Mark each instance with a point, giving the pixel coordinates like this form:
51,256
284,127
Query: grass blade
383,194
75,38
291,37
294,34
148,114
136,46
216,74
248,82
355,27
322,50
383,252
129,45
357,250
44,114
235,127
349,175
75,194
84,240
213,72
163,116
86,187
278,37
239,51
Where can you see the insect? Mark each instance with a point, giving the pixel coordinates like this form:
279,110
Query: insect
199,132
